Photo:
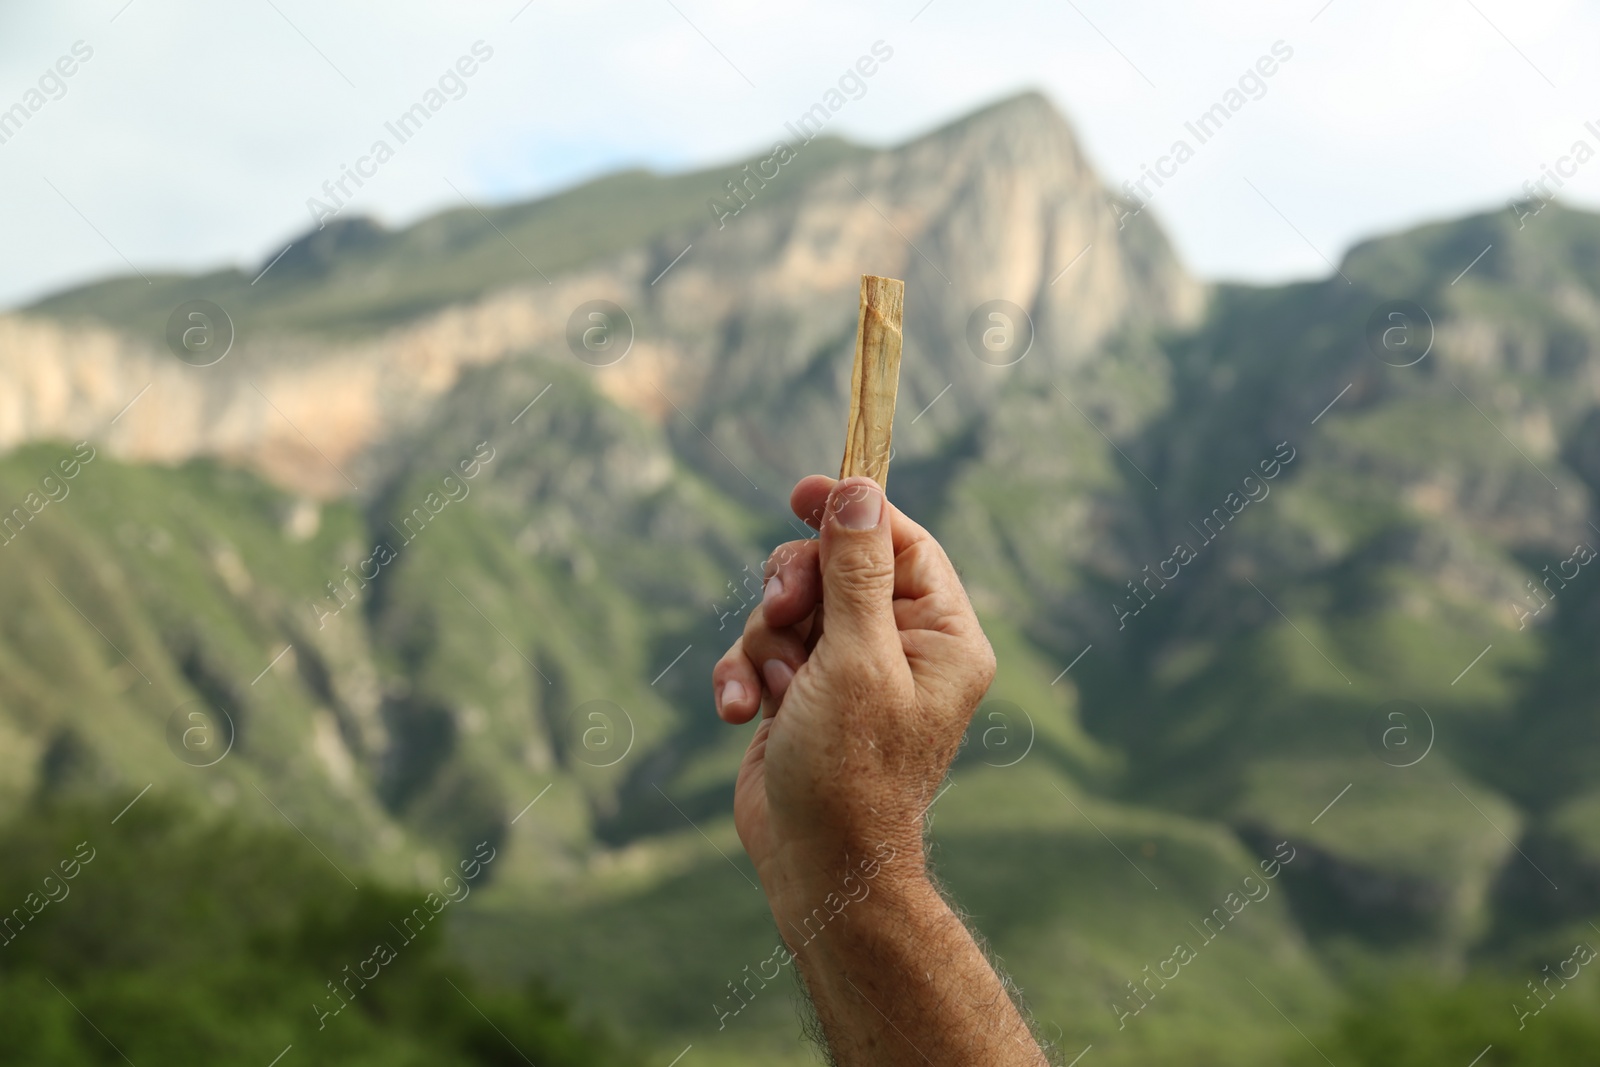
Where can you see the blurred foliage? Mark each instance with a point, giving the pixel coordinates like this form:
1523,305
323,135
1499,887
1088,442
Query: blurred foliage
1417,1022
187,941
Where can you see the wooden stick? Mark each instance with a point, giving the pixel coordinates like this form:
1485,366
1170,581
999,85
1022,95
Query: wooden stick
875,379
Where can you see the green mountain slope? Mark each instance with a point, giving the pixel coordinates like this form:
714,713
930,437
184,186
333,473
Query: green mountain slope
353,275
157,934
1253,585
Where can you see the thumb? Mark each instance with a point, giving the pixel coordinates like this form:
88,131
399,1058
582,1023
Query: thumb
858,569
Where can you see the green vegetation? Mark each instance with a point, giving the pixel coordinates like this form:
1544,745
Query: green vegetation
1417,1022
181,941
1096,815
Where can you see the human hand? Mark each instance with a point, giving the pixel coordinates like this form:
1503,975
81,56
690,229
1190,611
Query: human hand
863,705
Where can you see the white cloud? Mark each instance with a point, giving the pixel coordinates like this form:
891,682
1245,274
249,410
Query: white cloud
197,132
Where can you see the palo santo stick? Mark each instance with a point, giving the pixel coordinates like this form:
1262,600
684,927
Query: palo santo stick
875,379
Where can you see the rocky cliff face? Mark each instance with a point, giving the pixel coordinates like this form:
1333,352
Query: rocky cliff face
749,334
999,206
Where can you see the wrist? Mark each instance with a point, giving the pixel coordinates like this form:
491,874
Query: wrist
806,890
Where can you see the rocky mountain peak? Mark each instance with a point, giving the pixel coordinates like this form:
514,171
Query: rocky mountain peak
1026,127
751,330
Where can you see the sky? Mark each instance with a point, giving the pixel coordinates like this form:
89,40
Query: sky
194,132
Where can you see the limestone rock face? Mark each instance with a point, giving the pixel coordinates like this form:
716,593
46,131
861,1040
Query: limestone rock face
748,335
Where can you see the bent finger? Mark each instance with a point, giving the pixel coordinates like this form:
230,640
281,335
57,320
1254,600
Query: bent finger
773,653
793,583
736,686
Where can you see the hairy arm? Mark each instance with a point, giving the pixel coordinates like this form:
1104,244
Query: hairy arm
898,979
863,706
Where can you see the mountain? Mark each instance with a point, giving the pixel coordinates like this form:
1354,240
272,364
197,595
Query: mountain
755,311
1258,590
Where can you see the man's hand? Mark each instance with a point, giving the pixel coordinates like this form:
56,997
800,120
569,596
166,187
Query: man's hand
865,661
861,715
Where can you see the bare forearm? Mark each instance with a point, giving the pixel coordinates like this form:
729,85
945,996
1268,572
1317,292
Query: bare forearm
898,979
860,722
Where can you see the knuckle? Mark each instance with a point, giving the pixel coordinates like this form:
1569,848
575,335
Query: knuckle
983,659
985,665
764,643
729,663
781,557
860,571
754,625
762,647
